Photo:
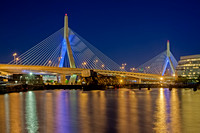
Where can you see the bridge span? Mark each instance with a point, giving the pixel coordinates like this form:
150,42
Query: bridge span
65,53
8,69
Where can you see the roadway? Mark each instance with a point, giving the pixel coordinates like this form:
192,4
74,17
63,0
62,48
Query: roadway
48,70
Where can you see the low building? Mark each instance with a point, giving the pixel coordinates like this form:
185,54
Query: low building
26,79
189,68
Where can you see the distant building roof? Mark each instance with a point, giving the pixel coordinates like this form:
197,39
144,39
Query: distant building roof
190,57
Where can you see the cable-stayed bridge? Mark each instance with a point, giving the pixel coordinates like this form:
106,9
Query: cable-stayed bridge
163,64
66,53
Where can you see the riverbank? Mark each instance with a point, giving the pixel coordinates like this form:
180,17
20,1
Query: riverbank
23,88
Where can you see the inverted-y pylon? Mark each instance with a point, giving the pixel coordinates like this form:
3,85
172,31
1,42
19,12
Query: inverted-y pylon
169,61
67,47
163,62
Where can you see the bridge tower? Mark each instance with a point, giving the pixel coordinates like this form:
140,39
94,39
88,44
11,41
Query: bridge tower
168,60
67,47
160,64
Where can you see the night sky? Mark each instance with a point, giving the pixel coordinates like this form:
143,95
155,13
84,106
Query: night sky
127,31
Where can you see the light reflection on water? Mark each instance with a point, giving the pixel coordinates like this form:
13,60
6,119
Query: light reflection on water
124,110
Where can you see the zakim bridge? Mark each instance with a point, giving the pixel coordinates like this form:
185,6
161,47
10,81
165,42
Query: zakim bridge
65,53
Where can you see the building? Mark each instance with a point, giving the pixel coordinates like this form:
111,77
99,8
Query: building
189,68
26,79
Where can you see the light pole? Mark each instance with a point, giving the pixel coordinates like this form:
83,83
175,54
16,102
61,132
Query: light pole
84,64
50,62
132,69
102,66
14,55
147,69
123,66
17,59
95,62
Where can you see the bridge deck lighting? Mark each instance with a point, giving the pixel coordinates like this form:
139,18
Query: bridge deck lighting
31,73
15,54
161,78
132,69
17,59
96,61
84,63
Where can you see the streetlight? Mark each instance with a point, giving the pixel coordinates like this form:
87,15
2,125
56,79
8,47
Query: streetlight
15,54
147,69
17,59
103,66
84,64
50,62
123,66
95,62
132,69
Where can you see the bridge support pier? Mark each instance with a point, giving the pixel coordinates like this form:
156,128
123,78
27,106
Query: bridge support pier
63,79
72,79
138,81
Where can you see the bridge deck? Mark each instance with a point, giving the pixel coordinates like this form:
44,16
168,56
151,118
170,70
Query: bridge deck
25,69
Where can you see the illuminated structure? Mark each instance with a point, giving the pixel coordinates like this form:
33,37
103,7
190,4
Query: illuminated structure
189,67
49,58
162,64
67,47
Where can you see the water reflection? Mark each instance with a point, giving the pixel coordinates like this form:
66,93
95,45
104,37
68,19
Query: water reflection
49,116
175,112
124,110
3,119
62,120
190,111
127,116
84,113
31,113
161,115
15,116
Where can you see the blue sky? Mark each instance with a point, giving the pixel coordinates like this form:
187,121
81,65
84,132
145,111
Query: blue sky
125,30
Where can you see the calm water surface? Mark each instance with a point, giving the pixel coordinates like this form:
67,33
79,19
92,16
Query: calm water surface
123,111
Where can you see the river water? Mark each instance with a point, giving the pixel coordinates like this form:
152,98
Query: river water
123,111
